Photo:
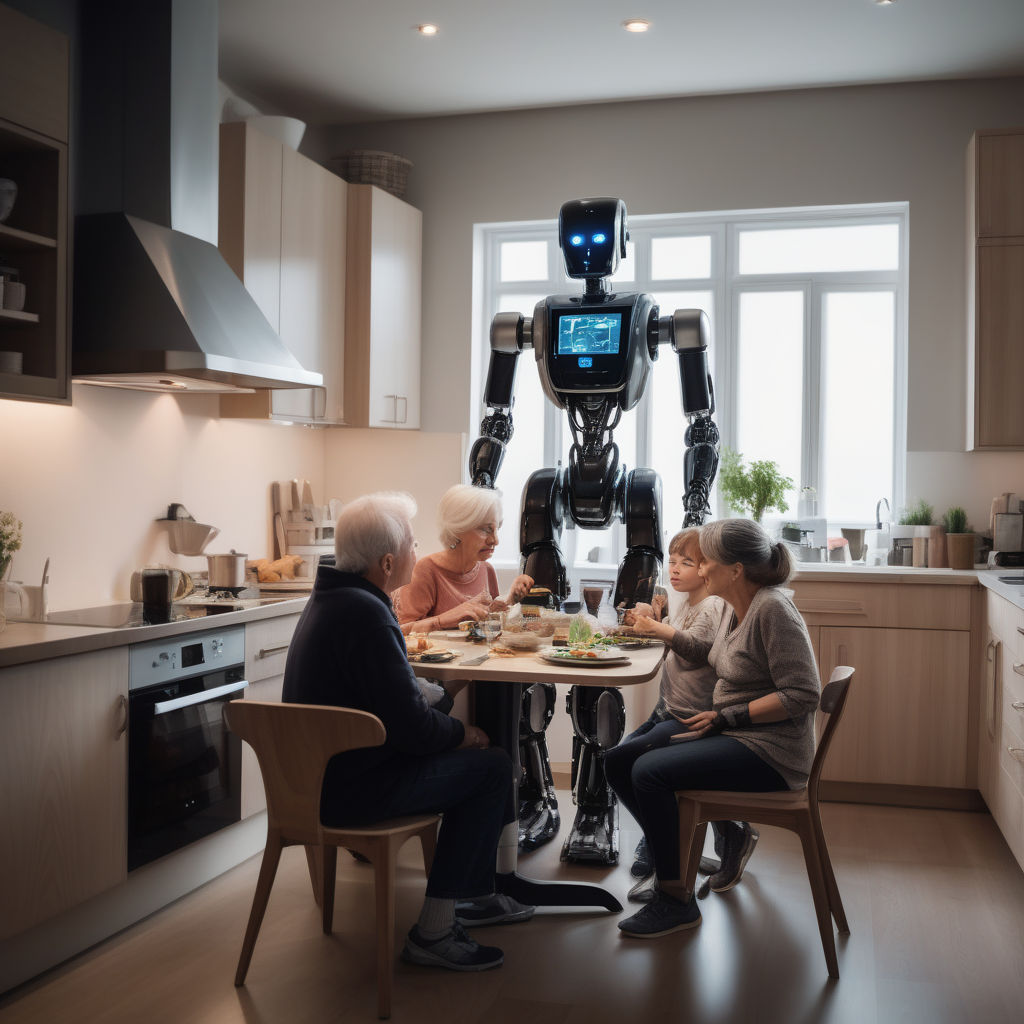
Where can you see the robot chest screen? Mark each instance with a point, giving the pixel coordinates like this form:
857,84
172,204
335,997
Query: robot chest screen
589,349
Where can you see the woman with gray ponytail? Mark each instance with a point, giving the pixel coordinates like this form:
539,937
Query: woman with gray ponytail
759,735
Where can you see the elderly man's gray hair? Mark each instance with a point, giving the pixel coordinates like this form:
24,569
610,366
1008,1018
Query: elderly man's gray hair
370,528
465,507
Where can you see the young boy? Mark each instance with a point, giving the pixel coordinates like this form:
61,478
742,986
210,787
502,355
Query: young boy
687,681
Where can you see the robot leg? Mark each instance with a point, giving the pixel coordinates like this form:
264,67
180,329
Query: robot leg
598,717
538,806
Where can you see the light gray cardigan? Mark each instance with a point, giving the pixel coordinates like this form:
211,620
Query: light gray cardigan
770,652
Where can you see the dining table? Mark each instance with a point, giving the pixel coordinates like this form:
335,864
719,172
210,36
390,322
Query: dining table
499,680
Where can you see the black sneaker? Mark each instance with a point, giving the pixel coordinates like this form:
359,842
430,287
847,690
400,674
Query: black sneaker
642,863
494,909
664,914
454,950
740,840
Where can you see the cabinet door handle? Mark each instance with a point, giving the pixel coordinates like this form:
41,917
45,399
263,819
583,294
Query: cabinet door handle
405,410
122,703
394,418
1018,705
320,399
266,652
1017,753
1018,667
1020,629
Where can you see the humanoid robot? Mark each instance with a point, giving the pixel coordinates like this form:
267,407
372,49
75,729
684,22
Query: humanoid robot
594,354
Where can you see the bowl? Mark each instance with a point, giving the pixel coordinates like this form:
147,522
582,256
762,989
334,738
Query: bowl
288,130
8,193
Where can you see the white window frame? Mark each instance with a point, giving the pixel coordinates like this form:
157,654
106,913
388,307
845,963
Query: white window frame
726,284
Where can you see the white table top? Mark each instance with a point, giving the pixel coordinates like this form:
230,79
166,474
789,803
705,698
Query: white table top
527,667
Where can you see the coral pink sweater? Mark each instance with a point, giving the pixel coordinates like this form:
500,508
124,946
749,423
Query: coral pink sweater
434,590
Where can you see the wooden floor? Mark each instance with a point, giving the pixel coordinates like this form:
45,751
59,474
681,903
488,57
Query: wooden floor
934,898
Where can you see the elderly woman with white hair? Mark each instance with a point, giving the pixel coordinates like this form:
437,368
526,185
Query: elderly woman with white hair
458,582
347,651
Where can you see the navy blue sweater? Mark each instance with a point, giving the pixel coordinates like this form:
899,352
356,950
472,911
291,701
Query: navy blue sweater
348,651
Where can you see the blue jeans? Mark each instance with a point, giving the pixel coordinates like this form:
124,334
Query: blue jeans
645,771
471,788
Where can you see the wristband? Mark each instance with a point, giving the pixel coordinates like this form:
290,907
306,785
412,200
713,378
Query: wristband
737,717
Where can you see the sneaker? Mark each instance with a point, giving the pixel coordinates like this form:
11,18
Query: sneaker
739,844
454,950
644,891
664,914
642,863
494,909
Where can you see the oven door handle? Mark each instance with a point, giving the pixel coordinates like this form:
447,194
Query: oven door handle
198,698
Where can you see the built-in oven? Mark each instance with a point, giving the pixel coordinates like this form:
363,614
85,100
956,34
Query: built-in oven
185,767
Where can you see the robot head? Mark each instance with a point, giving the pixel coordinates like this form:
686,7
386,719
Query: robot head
592,235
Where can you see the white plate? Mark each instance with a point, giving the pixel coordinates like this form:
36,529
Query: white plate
602,658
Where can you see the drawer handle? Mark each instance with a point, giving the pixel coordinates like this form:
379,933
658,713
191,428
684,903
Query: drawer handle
1017,753
1019,668
266,652
832,607
1020,629
1018,705
122,703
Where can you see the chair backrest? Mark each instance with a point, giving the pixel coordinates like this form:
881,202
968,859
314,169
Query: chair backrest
293,743
833,700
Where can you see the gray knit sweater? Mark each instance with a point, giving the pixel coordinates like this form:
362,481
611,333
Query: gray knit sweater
770,652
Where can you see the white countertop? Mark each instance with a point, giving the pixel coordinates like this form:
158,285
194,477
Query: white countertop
23,642
855,572
1014,593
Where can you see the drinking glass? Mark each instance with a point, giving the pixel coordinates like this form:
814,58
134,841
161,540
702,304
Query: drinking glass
491,628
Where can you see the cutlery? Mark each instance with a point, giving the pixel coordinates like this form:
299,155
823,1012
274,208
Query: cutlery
479,660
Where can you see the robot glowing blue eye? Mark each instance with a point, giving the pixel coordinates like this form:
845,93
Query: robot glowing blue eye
599,239
576,240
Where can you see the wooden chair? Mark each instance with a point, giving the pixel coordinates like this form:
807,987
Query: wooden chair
796,810
293,743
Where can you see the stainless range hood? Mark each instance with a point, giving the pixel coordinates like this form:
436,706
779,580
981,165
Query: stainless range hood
155,306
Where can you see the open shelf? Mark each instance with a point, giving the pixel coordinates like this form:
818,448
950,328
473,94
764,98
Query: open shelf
16,240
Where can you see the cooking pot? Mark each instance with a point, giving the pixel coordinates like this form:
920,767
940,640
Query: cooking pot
227,572
179,583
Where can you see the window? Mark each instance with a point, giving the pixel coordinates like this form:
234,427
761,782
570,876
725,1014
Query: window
807,354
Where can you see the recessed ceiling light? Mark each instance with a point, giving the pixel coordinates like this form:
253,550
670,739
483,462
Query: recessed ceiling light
427,29
636,25
885,3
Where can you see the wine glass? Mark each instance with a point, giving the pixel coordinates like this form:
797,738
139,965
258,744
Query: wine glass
491,628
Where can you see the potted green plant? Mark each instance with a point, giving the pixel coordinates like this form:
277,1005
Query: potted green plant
10,541
752,491
919,518
959,538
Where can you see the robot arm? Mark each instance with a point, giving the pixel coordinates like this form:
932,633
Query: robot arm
509,333
688,330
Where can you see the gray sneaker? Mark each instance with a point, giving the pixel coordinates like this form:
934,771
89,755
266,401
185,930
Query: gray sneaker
664,914
494,909
739,844
454,950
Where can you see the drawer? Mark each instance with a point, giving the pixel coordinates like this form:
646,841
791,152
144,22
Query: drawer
266,646
899,606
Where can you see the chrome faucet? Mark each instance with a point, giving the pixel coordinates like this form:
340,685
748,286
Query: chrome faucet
878,512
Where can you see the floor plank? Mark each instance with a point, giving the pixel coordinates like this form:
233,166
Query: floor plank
934,898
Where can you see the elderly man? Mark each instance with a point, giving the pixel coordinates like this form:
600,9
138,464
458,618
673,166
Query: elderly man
348,651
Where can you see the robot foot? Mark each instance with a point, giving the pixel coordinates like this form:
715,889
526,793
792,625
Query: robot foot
594,838
538,824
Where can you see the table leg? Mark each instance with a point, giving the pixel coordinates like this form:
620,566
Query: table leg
497,713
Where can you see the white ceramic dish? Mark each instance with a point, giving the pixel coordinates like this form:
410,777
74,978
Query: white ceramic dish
600,659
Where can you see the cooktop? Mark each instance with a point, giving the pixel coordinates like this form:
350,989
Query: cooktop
128,614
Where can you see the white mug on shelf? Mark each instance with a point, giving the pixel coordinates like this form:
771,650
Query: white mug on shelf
14,295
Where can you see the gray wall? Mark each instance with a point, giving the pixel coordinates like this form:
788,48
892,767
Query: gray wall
801,148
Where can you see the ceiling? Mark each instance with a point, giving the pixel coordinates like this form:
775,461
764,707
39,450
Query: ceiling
346,61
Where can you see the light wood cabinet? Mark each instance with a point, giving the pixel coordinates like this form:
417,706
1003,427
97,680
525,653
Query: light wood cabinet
63,761
34,239
383,310
995,300
1001,722
266,648
908,717
282,230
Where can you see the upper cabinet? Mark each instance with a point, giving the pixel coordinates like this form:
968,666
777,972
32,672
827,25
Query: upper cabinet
34,338
995,298
282,230
382,321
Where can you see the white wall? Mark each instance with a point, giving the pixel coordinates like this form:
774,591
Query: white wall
811,147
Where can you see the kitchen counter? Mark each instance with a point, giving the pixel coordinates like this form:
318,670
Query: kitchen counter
1013,593
849,572
24,642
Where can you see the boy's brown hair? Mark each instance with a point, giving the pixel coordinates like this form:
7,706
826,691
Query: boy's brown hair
686,542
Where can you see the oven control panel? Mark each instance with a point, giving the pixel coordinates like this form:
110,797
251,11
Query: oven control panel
163,661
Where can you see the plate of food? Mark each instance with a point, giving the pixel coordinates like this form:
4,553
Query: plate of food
435,654
591,656
627,642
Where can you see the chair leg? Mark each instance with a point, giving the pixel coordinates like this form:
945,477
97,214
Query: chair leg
692,833
835,902
384,860
314,860
819,891
329,862
265,882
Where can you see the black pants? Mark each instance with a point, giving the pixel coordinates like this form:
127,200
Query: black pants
471,788
645,778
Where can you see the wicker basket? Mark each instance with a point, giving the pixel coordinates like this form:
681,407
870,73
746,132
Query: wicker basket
373,167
